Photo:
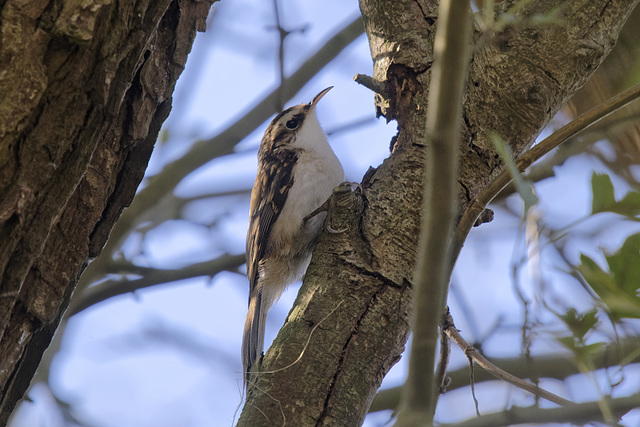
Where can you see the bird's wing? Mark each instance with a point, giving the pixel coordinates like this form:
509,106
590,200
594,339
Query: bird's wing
270,191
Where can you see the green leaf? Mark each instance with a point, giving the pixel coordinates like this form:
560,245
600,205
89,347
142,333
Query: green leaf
602,189
600,281
568,341
580,323
604,199
582,352
625,266
629,205
619,287
524,187
621,307
585,353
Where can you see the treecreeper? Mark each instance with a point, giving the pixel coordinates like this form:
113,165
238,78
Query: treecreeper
297,171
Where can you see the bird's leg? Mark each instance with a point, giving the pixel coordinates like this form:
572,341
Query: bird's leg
323,208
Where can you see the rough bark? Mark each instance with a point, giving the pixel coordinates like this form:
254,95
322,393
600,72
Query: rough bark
84,89
355,303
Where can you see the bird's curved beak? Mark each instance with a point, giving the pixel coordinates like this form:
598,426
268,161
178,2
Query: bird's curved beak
319,96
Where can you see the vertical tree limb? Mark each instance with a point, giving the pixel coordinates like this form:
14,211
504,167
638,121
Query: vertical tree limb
448,76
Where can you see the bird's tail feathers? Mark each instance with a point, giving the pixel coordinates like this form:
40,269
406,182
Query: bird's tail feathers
253,338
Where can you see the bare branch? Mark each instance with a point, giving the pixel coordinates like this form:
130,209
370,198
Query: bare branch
472,353
283,34
576,414
449,73
557,366
152,277
623,352
371,84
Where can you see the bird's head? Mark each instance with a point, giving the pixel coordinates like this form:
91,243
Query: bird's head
296,127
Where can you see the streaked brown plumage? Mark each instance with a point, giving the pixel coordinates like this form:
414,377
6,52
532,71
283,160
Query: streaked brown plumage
297,171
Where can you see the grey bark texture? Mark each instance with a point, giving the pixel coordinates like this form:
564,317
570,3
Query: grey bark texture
351,319
84,89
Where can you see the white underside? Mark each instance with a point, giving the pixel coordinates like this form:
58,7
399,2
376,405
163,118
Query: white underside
317,172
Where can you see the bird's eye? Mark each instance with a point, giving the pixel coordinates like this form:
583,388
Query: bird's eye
291,124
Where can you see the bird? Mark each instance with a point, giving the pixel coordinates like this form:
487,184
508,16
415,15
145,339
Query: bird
297,171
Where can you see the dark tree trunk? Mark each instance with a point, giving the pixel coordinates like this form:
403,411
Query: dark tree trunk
84,89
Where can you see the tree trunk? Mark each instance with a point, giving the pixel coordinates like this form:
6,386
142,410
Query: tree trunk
351,319
84,89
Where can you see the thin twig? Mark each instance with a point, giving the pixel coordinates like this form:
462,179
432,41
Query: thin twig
472,353
273,371
473,385
442,381
282,33
558,367
270,396
471,323
109,289
372,84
